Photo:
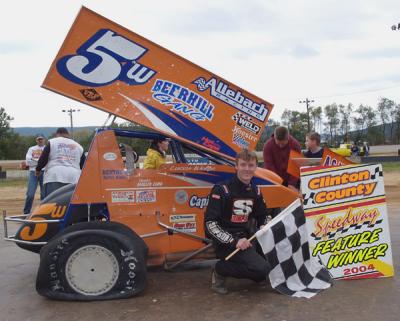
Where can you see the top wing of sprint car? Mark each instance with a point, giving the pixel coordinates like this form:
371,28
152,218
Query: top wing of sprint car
110,68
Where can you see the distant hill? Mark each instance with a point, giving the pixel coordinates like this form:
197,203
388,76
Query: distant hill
46,131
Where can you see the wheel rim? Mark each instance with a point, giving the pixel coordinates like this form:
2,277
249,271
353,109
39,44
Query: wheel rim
92,270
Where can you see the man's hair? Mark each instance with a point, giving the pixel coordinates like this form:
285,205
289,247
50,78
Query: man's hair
281,133
314,136
62,131
246,155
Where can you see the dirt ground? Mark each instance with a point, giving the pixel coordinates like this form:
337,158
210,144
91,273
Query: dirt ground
185,294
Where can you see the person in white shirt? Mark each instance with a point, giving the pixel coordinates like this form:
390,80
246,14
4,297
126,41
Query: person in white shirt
32,157
63,159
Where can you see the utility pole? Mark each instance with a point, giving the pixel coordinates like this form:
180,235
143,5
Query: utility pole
307,102
70,111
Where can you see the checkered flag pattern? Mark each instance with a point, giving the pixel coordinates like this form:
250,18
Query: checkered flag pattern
308,198
237,116
377,171
284,242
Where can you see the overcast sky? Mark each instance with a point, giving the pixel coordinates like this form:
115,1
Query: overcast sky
283,51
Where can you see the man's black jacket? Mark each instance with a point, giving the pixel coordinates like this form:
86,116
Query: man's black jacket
231,209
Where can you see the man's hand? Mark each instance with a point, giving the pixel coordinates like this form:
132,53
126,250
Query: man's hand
243,244
37,173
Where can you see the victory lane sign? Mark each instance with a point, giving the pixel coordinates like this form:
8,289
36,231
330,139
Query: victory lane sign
347,221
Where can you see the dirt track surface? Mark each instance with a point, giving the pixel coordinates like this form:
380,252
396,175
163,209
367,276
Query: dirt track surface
185,294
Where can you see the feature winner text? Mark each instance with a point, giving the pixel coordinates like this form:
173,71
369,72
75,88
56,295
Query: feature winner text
347,243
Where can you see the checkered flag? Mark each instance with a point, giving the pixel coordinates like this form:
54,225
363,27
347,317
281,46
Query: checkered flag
308,198
377,171
284,242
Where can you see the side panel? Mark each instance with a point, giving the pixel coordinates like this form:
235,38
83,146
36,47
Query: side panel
178,192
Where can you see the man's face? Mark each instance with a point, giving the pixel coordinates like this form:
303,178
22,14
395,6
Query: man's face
311,144
281,143
245,169
40,141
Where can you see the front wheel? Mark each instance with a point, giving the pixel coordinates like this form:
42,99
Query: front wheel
90,265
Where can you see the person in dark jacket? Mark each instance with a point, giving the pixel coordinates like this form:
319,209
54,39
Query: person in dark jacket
276,155
236,210
314,150
354,149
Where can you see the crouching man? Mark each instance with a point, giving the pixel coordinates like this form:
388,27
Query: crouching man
236,210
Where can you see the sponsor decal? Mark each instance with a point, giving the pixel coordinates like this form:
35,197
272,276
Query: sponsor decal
245,135
331,161
188,168
184,222
46,211
148,196
146,182
182,100
105,58
236,99
242,208
182,218
246,122
114,174
122,196
110,156
330,158
216,196
220,234
239,141
241,138
181,197
196,159
209,143
90,94
198,202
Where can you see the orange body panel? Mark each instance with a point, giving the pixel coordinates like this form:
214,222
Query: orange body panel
134,199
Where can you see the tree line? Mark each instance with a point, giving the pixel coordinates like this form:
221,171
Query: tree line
338,123
15,146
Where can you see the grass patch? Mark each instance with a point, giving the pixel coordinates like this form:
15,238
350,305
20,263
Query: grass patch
13,182
391,166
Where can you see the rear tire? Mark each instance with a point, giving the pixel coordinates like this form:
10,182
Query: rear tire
109,226
98,263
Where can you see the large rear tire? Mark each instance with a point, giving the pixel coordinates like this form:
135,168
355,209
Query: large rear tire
92,262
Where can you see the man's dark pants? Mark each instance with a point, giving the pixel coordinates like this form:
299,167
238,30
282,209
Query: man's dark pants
53,186
33,182
247,264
